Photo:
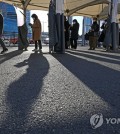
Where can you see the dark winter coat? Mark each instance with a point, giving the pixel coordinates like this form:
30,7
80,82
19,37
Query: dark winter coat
74,31
66,27
94,29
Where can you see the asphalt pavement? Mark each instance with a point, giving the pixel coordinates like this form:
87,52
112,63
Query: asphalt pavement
73,93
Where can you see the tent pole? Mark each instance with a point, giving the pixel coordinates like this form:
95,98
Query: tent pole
114,10
60,25
24,12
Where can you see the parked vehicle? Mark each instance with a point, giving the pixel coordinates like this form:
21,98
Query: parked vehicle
13,40
46,41
31,41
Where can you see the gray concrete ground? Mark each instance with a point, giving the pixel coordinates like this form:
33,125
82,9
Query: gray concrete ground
58,93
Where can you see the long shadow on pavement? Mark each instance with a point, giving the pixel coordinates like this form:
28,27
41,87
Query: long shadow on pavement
22,93
100,54
104,59
10,55
100,79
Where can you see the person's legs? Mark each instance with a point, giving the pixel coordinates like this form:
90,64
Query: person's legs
3,46
75,43
66,45
90,42
94,44
36,45
40,44
71,42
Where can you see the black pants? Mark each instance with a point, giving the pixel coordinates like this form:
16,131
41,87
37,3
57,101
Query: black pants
66,44
2,44
73,43
38,43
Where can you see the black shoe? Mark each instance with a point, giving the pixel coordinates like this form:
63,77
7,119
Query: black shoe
4,50
26,49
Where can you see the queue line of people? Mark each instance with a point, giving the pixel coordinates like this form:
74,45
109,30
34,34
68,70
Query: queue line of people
71,33
96,37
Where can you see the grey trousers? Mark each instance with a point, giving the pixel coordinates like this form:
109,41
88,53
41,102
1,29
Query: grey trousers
2,44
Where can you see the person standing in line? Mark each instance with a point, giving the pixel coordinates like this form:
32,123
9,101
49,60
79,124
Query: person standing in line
36,32
1,31
66,30
93,37
108,35
74,34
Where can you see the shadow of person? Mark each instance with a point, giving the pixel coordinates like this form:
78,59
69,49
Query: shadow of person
22,93
10,55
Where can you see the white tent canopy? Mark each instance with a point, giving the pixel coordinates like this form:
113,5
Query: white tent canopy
70,5
88,8
104,13
91,11
32,4
81,4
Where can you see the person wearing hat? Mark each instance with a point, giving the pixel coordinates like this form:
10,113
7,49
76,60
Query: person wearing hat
36,31
74,34
93,37
1,31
